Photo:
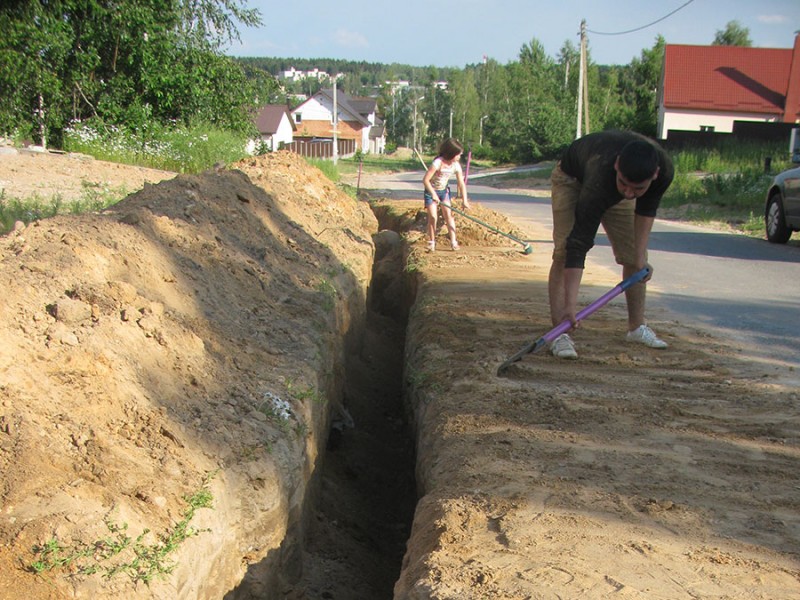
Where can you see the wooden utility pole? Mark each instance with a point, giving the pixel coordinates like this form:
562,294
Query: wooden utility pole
335,122
584,54
583,91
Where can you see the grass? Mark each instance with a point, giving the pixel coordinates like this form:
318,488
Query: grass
189,149
118,553
376,163
724,186
34,208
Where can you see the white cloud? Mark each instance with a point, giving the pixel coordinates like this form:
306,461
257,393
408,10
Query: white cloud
350,39
772,19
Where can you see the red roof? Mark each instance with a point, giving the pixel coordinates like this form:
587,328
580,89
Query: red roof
733,79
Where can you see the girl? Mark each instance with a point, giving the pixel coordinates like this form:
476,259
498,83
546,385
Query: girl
437,190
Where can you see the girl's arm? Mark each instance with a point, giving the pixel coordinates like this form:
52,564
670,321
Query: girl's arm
426,181
462,188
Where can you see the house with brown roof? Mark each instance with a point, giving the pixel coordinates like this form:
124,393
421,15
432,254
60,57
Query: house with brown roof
357,120
275,127
707,88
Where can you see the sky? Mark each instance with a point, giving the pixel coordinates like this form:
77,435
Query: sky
455,33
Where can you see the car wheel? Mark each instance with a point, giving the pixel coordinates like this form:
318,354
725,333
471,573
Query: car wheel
777,231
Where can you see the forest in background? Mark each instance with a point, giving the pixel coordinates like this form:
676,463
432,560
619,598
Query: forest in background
73,66
522,111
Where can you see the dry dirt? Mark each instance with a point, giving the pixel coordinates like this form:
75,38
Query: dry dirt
141,351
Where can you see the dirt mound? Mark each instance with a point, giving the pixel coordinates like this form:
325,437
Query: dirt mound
187,340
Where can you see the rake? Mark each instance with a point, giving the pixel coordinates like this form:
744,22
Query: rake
566,325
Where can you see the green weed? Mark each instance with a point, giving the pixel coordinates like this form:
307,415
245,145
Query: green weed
35,208
328,292
189,149
118,553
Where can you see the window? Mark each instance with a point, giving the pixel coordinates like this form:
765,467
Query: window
298,118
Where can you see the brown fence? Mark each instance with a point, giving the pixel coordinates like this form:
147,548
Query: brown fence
321,148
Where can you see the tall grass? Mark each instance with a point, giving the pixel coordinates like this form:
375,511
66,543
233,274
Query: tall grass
35,208
181,149
327,167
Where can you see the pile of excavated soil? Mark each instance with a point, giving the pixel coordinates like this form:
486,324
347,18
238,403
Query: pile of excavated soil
198,336
189,339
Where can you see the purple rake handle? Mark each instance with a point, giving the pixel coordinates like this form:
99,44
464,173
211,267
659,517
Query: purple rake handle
623,285
566,325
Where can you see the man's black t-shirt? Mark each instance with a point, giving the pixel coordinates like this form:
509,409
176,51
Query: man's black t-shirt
590,160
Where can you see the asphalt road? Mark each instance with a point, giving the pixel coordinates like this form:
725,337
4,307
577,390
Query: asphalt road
744,288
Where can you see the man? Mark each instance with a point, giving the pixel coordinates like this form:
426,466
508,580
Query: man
616,178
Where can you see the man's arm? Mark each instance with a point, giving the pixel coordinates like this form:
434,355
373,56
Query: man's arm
642,226
572,283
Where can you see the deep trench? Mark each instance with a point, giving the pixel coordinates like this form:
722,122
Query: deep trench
355,539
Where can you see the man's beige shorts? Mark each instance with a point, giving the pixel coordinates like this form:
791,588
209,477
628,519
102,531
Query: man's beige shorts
617,220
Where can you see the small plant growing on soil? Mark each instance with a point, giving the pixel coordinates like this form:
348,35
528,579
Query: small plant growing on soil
119,553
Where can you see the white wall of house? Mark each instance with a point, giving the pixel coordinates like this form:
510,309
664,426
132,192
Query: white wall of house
695,120
313,110
320,109
284,135
377,145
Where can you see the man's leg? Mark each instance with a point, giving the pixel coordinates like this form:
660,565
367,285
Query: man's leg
618,222
618,225
564,191
635,299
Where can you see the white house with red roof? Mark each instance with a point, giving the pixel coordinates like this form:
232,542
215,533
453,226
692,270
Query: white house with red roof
707,88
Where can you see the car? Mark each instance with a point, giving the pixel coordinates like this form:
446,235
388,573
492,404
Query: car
782,210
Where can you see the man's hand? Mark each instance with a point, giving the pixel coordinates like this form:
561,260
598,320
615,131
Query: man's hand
570,315
649,272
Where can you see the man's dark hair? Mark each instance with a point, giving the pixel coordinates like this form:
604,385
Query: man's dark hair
638,161
450,148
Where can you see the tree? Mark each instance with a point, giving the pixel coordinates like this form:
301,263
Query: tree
465,104
123,63
531,119
733,35
639,84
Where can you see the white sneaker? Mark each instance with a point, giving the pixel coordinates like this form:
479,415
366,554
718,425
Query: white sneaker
644,335
562,347
431,246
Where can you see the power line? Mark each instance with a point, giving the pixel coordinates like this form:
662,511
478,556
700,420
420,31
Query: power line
643,26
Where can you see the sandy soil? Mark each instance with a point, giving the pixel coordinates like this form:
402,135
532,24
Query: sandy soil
136,343
631,472
44,175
